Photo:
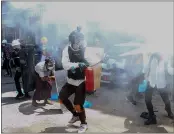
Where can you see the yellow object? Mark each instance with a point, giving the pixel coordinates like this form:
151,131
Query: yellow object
44,40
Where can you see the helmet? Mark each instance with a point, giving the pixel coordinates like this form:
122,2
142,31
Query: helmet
44,40
75,37
49,59
4,41
15,43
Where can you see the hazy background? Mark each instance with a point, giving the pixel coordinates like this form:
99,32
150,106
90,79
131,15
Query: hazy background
152,21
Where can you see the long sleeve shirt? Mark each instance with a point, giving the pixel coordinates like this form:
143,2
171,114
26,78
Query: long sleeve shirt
41,69
136,65
67,66
157,73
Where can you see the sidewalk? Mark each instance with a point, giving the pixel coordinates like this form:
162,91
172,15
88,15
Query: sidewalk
110,113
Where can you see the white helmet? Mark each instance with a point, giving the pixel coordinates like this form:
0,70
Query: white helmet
4,41
15,43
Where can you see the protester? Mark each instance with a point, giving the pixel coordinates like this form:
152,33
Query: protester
45,50
7,53
15,55
137,76
26,54
155,74
74,62
44,73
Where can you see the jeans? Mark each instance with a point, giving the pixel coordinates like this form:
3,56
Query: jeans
17,82
80,95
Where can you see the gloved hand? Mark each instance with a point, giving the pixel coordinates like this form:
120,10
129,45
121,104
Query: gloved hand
82,66
73,69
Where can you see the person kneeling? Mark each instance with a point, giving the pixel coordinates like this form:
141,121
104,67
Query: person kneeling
44,73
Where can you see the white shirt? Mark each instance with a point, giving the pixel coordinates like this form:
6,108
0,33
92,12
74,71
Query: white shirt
67,66
41,69
157,74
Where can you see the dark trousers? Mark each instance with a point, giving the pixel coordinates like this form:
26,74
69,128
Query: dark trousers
80,95
17,82
7,67
134,84
148,100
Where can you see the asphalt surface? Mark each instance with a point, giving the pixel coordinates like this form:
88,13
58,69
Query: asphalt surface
110,113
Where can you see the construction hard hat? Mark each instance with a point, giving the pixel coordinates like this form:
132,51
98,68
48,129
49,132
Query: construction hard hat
15,43
4,41
44,39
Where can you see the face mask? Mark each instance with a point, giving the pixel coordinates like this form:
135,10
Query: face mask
79,45
75,46
44,47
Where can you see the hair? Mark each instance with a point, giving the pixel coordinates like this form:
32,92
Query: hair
49,60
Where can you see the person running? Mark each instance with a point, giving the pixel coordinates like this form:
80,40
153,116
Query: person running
155,74
74,62
137,76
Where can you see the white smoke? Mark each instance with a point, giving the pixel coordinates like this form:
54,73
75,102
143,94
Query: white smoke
153,20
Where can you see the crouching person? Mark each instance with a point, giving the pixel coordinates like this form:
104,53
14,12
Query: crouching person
44,74
74,62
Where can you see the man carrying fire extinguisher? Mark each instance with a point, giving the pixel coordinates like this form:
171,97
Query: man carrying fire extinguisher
74,61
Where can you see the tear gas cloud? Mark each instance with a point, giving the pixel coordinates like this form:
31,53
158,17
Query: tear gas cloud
150,20
153,20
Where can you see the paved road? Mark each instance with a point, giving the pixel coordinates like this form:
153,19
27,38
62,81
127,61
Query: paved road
109,113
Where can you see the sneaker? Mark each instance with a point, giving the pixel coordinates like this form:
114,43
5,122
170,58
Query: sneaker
83,128
130,99
19,96
74,119
151,120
